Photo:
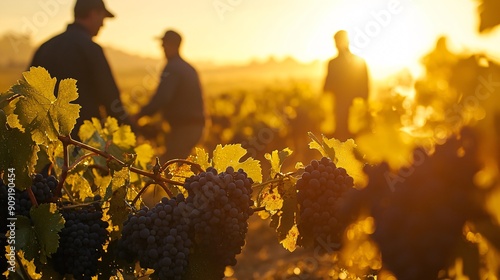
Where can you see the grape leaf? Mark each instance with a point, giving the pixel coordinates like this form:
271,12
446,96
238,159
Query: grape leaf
290,242
118,211
17,151
280,201
124,138
48,222
387,144
201,158
322,147
145,154
79,185
116,140
276,158
30,267
287,221
26,239
271,199
39,111
120,178
344,156
230,155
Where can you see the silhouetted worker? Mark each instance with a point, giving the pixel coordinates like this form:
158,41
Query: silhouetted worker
179,98
73,54
347,78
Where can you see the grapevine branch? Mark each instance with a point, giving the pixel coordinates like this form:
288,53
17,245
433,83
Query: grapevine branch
67,140
80,159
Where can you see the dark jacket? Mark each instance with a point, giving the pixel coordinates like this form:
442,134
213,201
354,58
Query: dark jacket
179,96
73,54
347,77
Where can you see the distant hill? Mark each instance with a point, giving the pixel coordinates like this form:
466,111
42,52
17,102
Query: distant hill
131,70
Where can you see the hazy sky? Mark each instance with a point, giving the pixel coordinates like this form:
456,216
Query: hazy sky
389,32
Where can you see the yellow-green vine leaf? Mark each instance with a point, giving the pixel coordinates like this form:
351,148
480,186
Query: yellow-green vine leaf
18,152
290,242
124,138
201,158
26,239
231,155
276,158
39,111
345,156
145,154
79,185
30,267
47,223
118,210
321,146
271,199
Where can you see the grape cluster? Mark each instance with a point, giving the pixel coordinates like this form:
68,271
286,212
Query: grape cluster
420,221
320,193
222,205
159,238
42,188
81,242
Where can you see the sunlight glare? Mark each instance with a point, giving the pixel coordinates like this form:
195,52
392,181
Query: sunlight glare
387,34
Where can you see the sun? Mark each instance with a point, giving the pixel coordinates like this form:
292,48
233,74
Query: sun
389,35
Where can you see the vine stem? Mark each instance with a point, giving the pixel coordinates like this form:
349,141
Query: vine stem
80,159
162,185
172,161
280,177
67,140
32,196
257,209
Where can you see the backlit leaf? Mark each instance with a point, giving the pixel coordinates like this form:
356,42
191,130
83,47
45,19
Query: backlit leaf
79,185
343,154
201,158
26,239
276,158
290,242
48,222
39,111
230,155
17,151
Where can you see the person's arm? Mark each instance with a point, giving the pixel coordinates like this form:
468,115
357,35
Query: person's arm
164,93
107,90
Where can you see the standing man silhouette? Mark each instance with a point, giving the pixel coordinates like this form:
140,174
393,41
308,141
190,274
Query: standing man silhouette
346,78
179,98
73,54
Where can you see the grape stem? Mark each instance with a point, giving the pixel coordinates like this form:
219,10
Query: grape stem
80,159
280,177
257,209
32,196
162,185
67,140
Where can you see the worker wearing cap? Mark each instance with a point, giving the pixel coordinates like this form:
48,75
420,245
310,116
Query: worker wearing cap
179,99
73,54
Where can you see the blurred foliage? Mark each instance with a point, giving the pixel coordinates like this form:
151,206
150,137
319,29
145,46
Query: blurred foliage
488,13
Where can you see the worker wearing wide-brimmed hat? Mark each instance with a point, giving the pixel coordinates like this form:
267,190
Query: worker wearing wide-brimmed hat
73,54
